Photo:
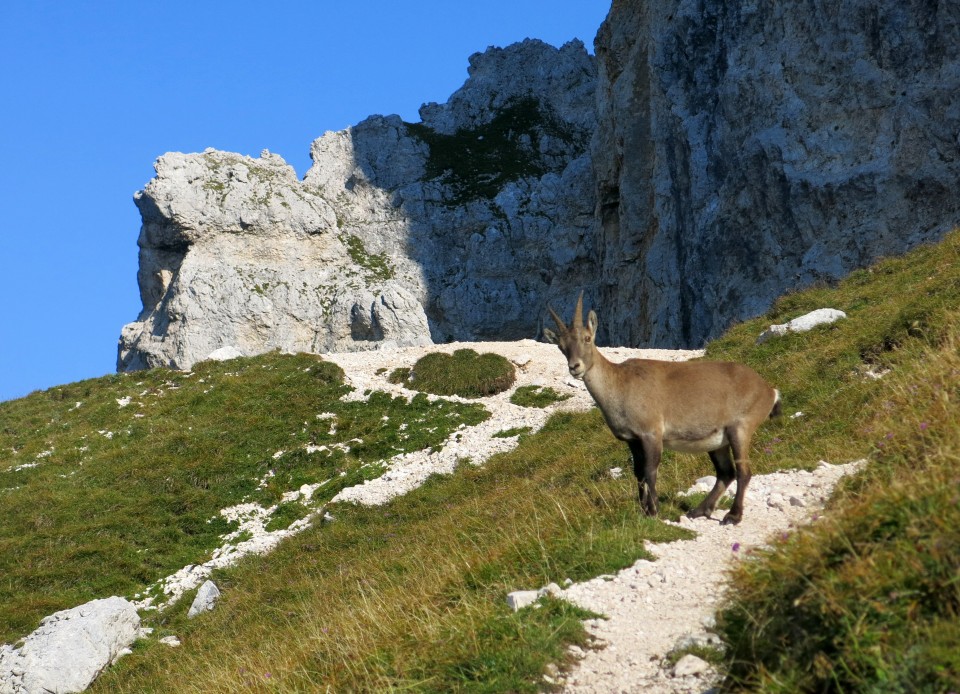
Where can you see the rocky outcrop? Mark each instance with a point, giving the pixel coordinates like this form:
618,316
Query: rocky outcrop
712,157
70,648
746,149
456,227
236,251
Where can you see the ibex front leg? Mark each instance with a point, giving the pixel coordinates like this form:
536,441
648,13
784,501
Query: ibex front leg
646,461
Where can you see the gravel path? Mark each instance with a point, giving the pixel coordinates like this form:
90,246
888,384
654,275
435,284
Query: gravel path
654,607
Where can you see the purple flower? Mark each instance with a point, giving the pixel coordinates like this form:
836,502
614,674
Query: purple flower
736,547
923,426
267,675
889,435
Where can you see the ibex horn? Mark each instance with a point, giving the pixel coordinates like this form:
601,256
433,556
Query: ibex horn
557,319
578,312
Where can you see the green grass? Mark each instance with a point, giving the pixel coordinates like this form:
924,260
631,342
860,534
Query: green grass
121,496
412,594
537,396
478,162
465,373
514,431
869,599
376,266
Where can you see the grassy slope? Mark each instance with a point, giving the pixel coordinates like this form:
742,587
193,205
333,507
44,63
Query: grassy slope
115,498
870,599
410,595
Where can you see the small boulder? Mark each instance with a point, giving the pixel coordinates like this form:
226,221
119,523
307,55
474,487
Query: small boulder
690,665
206,600
805,322
519,599
776,501
70,648
224,354
551,589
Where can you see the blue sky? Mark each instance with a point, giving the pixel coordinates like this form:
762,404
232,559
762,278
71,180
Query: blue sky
92,93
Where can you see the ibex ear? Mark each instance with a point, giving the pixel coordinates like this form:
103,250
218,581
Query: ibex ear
592,323
550,336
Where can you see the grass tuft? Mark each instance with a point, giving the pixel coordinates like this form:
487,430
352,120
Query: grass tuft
465,373
537,396
477,162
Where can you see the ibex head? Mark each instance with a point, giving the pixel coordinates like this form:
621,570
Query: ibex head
576,341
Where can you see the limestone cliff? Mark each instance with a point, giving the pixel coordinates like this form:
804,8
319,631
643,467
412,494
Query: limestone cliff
457,227
713,156
748,148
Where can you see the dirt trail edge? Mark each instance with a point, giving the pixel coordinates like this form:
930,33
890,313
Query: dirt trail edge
655,607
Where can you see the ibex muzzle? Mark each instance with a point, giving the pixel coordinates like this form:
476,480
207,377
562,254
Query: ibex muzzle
692,407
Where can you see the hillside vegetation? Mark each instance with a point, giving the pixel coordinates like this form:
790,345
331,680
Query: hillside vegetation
410,595
869,599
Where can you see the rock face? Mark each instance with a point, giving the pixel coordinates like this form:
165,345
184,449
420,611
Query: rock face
712,157
745,149
70,648
236,251
457,227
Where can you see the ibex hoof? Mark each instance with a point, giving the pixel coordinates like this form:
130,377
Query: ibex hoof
699,513
730,519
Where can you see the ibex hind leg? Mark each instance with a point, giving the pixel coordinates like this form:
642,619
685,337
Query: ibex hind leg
739,445
723,464
646,461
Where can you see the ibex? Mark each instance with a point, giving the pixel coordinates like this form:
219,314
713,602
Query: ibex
691,407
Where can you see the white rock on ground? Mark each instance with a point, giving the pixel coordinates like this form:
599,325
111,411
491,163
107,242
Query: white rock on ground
206,599
225,353
808,321
70,648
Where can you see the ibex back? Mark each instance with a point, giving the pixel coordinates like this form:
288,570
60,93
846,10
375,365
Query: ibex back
692,407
